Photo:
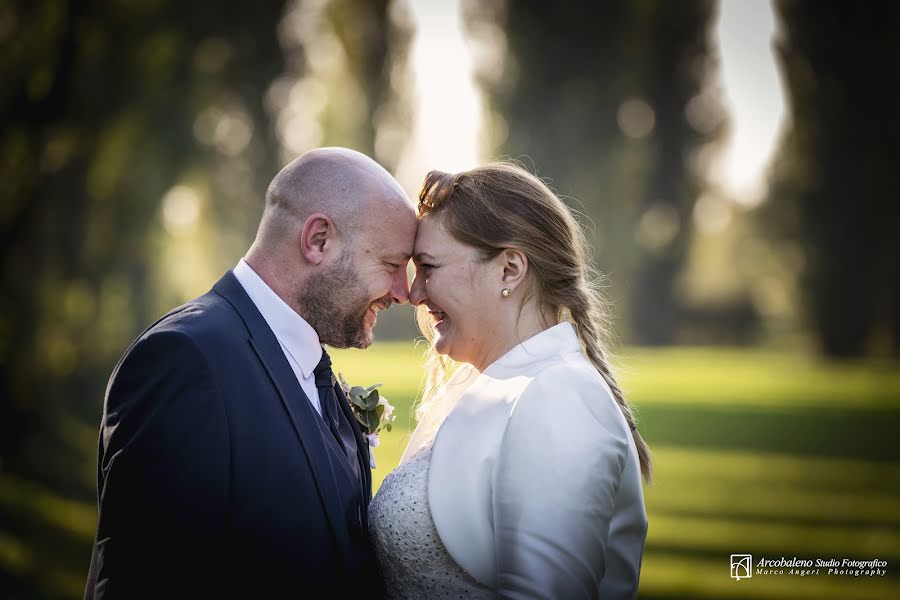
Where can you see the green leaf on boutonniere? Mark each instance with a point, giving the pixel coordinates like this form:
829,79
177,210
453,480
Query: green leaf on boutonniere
372,411
372,400
369,420
358,402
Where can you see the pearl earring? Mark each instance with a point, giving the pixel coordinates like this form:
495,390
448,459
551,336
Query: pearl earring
505,292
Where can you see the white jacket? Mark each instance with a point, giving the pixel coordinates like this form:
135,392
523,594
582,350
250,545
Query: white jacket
534,484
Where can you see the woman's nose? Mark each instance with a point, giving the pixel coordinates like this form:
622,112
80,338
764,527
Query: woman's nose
417,293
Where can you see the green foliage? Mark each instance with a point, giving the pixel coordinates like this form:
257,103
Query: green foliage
833,195
102,104
576,68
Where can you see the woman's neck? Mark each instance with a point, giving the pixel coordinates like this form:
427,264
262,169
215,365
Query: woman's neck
517,328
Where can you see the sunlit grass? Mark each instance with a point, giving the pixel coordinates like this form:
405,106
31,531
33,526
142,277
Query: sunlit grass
709,501
729,466
398,366
756,380
677,575
769,486
725,535
754,452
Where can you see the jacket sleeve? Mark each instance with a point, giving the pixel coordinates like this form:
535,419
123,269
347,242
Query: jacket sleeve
557,475
163,472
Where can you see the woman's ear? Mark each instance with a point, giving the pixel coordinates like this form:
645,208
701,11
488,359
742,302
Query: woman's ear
317,235
515,267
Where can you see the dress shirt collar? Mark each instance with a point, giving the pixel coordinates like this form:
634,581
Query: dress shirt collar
297,336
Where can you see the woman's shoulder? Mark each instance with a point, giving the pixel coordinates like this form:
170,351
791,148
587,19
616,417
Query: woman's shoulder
571,389
571,372
570,365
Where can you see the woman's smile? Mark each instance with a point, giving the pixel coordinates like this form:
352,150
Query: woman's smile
438,315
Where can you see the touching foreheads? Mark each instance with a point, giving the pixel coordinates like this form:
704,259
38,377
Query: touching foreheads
343,184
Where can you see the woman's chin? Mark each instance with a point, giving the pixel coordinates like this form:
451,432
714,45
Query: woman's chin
441,344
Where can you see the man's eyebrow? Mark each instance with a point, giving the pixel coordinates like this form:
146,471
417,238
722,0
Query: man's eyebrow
400,257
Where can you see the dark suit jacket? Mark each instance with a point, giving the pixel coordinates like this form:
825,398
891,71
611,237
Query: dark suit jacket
216,476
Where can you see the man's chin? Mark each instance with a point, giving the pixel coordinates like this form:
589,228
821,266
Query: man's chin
361,340
364,338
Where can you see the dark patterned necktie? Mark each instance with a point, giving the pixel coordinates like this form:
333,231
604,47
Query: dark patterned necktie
331,412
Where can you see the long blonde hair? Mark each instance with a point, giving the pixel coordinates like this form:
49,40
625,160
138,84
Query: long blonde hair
499,206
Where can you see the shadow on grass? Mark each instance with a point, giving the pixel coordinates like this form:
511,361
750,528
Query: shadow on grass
46,544
868,434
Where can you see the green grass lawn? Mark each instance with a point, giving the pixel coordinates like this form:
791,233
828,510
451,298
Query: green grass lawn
755,452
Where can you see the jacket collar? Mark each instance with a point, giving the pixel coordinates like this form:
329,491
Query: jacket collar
296,404
231,289
550,343
296,335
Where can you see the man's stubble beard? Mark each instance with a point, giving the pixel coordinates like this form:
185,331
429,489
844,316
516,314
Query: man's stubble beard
334,303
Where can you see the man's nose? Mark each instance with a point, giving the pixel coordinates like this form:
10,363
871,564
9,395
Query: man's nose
400,287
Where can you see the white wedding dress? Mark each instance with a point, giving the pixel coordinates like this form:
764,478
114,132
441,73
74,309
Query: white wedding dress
413,560
522,481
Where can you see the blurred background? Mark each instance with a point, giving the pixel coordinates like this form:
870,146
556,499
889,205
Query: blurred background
734,163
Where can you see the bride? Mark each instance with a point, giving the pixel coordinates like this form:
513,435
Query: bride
523,477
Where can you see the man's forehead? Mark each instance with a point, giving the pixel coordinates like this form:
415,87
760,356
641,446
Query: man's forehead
390,245
395,224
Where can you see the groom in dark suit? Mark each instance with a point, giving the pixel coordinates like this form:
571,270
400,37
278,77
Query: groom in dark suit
229,463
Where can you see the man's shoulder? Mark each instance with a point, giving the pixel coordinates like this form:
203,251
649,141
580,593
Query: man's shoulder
209,321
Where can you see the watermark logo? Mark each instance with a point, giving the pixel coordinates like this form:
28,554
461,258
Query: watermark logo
741,566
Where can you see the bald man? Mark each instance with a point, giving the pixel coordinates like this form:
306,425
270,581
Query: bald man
229,463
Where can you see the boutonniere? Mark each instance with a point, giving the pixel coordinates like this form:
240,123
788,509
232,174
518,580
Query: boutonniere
371,409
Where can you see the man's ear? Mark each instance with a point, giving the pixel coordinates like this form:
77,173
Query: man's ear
515,267
316,237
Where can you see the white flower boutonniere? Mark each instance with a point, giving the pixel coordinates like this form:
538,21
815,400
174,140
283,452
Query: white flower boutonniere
371,409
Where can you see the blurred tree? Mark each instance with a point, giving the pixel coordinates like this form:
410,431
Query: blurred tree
338,89
136,144
345,85
107,105
363,27
834,187
676,56
598,95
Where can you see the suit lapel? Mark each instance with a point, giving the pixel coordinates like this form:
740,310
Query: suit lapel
302,415
362,444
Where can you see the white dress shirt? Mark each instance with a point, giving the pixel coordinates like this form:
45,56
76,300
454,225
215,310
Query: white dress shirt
298,340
